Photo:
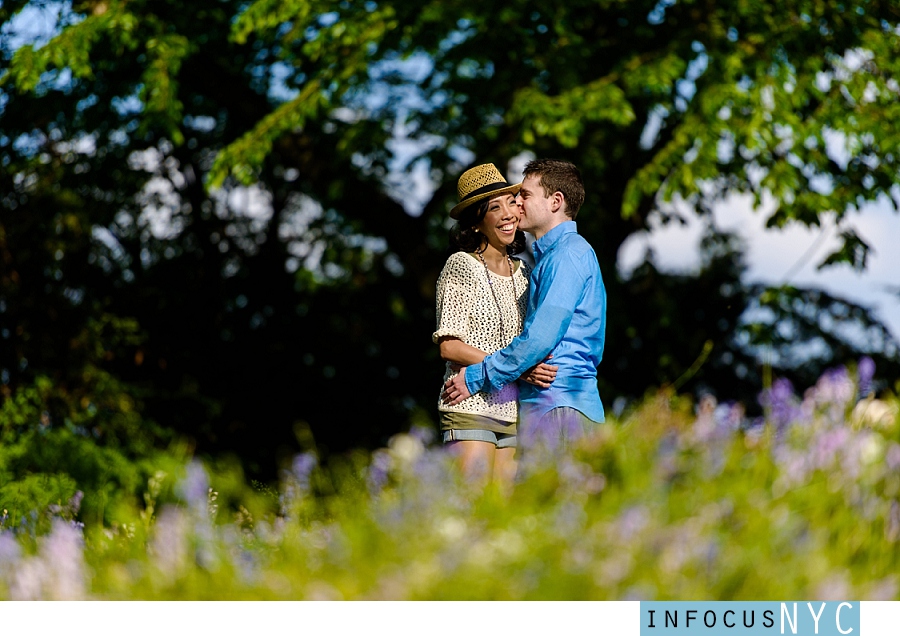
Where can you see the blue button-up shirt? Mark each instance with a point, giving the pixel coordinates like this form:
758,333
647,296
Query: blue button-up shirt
566,316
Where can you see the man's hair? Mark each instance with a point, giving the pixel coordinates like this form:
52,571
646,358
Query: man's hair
559,176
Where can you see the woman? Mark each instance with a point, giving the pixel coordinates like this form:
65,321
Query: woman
481,298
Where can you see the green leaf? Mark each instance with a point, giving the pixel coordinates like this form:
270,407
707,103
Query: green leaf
853,251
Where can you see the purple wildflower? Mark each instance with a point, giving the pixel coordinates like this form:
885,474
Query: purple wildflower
546,440
56,572
379,470
430,469
892,457
892,523
717,421
834,388
424,434
70,509
834,587
248,566
794,467
194,488
296,482
828,445
631,522
63,550
666,463
9,551
302,468
729,416
578,477
705,424
781,403
169,544
570,519
75,502
865,371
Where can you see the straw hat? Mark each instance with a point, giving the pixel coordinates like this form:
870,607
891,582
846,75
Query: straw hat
480,183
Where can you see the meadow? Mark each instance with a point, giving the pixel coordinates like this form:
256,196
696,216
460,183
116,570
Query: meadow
671,500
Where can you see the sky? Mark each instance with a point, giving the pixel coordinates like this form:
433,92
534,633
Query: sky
791,254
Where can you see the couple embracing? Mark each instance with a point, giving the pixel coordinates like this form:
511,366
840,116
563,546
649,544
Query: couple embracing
522,346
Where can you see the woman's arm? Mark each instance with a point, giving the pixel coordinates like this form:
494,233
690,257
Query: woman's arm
457,351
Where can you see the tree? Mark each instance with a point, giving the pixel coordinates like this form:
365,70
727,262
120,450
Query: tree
131,135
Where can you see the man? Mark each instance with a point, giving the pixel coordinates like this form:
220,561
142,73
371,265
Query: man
566,316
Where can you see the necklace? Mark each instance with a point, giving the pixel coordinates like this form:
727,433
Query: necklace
494,293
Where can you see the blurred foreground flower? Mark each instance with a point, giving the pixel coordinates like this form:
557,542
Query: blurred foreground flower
671,503
56,572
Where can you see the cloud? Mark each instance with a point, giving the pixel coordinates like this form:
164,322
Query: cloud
787,255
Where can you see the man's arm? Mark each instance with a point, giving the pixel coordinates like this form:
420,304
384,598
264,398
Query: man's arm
455,389
506,365
559,290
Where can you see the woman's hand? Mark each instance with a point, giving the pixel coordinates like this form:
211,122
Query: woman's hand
541,375
455,389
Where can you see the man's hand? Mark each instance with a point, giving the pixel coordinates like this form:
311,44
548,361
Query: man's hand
455,390
541,374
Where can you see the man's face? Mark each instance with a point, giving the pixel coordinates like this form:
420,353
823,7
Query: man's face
534,205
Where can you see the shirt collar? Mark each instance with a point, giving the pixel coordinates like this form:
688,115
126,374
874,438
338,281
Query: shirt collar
551,238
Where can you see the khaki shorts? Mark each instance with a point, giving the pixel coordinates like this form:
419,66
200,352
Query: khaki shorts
471,427
480,435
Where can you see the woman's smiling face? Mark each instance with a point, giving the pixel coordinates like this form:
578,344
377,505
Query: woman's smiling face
500,223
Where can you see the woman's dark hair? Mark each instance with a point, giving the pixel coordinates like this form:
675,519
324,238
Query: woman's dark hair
464,238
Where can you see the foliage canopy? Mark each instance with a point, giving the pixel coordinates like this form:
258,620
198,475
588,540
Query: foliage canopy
260,190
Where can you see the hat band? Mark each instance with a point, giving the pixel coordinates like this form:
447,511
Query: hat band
485,189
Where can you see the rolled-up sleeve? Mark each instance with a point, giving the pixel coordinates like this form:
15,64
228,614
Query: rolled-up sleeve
454,299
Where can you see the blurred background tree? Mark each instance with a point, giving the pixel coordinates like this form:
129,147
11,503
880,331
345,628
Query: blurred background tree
237,210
